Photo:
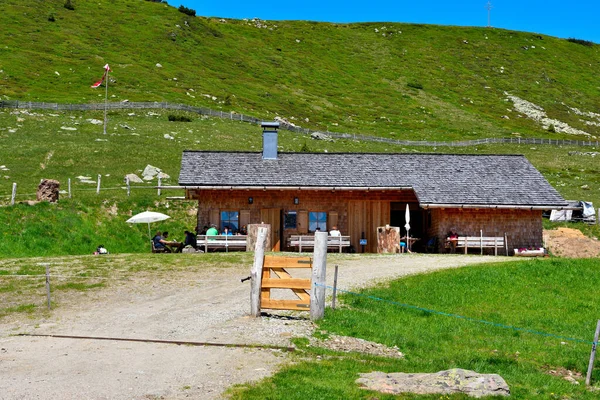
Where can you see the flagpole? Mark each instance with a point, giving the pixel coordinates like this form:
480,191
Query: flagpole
106,100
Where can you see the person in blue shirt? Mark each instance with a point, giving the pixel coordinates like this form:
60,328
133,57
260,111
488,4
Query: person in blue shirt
226,231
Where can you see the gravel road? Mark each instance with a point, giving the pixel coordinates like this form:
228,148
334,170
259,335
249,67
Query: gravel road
209,306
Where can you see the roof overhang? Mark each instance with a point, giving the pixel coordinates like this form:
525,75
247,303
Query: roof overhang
498,206
331,188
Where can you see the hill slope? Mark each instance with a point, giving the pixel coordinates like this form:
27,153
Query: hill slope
396,80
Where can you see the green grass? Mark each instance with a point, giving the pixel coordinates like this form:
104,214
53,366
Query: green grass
414,82
389,79
547,296
41,149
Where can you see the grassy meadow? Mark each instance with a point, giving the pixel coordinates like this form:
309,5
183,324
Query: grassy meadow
408,81
35,145
547,296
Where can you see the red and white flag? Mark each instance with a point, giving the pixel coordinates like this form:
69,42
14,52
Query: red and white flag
106,70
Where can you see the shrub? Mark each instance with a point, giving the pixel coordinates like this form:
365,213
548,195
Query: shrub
415,85
179,118
581,42
188,11
552,128
51,18
69,5
305,148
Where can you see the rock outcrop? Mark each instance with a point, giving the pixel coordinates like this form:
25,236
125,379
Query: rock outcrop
444,382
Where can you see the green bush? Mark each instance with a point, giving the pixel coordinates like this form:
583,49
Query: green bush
581,42
179,118
69,5
415,85
188,11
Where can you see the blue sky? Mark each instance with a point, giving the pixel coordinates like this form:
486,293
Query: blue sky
576,18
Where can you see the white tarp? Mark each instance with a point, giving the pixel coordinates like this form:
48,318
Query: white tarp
561,215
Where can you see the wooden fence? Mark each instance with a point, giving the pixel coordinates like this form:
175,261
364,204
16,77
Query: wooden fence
30,105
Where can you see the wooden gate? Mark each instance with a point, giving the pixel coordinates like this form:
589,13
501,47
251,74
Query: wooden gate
275,276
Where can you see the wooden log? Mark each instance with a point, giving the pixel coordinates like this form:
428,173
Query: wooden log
256,273
317,295
253,236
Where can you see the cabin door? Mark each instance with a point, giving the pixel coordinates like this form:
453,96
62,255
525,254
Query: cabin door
272,216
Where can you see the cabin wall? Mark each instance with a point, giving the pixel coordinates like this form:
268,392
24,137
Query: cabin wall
353,212
523,228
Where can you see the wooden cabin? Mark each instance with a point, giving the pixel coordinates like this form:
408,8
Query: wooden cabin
297,193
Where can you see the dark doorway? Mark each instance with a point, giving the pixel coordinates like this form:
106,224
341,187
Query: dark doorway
397,218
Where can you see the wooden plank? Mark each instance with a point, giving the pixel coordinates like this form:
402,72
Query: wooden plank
265,293
293,283
300,293
287,262
286,305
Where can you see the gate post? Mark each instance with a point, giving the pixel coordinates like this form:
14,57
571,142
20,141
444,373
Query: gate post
317,295
256,273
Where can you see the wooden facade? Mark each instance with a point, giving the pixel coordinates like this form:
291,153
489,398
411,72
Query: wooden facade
358,213
355,213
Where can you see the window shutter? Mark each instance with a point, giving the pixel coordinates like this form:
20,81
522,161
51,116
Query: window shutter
332,220
215,217
244,217
302,221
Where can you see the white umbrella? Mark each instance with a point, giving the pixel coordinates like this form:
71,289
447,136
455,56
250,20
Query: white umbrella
146,218
407,226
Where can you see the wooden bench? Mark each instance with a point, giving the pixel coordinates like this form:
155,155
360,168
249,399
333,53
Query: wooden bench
308,241
157,250
481,242
237,242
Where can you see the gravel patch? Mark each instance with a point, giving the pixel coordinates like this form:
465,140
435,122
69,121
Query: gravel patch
208,306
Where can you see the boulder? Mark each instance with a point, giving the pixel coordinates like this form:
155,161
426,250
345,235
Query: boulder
150,171
133,178
48,190
444,382
321,136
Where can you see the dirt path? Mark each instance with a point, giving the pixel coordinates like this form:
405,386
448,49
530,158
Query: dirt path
211,306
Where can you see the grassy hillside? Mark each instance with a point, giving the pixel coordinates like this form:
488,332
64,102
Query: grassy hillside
396,80
402,81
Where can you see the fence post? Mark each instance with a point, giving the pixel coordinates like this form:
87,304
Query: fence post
588,378
69,185
159,183
256,273
335,274
14,194
48,283
317,295
128,186
98,187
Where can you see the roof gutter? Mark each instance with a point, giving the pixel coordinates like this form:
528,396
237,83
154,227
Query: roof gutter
332,188
496,206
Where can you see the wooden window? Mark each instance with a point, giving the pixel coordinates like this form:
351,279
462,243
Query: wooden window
230,219
290,218
317,220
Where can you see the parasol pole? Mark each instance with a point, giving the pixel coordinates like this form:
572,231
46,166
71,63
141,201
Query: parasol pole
106,104
149,235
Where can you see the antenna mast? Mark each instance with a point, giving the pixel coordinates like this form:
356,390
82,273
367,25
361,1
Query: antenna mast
489,9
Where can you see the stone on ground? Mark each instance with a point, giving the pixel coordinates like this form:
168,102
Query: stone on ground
444,382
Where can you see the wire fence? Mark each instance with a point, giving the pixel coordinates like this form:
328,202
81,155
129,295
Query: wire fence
457,316
30,105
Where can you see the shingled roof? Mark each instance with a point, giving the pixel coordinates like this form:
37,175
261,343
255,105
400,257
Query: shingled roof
437,179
